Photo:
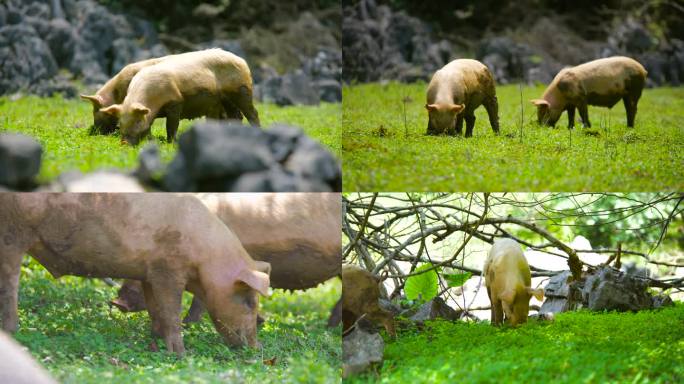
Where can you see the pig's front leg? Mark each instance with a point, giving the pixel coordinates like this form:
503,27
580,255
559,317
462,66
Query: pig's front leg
246,105
195,312
173,115
459,124
163,296
10,269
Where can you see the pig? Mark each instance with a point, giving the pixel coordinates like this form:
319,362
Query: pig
114,92
360,297
298,234
601,82
17,366
169,242
454,93
185,86
508,279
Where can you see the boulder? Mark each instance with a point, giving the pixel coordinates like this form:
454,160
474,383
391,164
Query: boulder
25,59
295,88
361,350
435,309
20,157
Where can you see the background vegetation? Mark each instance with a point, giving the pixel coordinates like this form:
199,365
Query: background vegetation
69,327
577,347
385,148
62,125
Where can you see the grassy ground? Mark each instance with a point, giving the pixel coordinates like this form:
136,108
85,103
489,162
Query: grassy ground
580,347
68,326
381,153
62,127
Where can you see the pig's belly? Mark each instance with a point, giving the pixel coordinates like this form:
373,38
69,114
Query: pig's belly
201,104
603,100
91,263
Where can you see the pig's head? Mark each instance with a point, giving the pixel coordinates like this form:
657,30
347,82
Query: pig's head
443,116
133,120
131,297
234,308
516,304
546,113
103,122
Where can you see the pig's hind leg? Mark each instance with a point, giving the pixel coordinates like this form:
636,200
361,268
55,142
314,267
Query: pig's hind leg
246,105
492,107
173,115
584,114
470,124
571,116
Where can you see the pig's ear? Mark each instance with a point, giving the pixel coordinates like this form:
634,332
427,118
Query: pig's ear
263,266
537,293
539,102
431,107
255,279
457,108
114,110
140,110
94,99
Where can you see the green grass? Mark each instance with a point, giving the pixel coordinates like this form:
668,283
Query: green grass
68,326
61,126
578,347
380,153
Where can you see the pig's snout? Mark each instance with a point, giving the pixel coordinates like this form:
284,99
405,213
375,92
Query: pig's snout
129,140
121,304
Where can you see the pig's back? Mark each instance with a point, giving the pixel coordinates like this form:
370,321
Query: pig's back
506,258
607,76
462,78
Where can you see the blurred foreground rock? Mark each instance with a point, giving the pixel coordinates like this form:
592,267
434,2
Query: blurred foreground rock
604,289
228,156
20,157
361,350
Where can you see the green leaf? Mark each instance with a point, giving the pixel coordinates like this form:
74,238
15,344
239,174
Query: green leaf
456,279
422,287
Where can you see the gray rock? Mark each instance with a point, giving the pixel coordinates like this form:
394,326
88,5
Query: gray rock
295,88
310,160
283,139
61,38
329,90
20,157
435,309
150,167
610,290
661,301
361,350
272,180
25,59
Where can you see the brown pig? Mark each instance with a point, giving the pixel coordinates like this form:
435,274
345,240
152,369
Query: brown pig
185,86
298,234
601,82
454,93
169,242
360,295
507,277
114,92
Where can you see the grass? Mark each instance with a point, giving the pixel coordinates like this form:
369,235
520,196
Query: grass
578,347
68,326
61,126
381,153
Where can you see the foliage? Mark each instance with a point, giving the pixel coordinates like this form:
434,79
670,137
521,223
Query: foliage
377,155
422,287
68,326
576,347
62,126
456,279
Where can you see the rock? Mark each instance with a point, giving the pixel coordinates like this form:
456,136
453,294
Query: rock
61,39
311,160
217,156
610,290
435,309
329,90
150,168
294,88
20,157
232,46
361,350
26,59
124,52
558,297
99,181
661,301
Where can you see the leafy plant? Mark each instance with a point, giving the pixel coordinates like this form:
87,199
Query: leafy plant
422,287
456,279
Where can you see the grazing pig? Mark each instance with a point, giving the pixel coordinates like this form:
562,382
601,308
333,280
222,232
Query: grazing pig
507,277
169,242
601,82
17,366
454,93
114,92
360,295
185,86
298,234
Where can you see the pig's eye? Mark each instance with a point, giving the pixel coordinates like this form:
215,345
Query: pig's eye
250,301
